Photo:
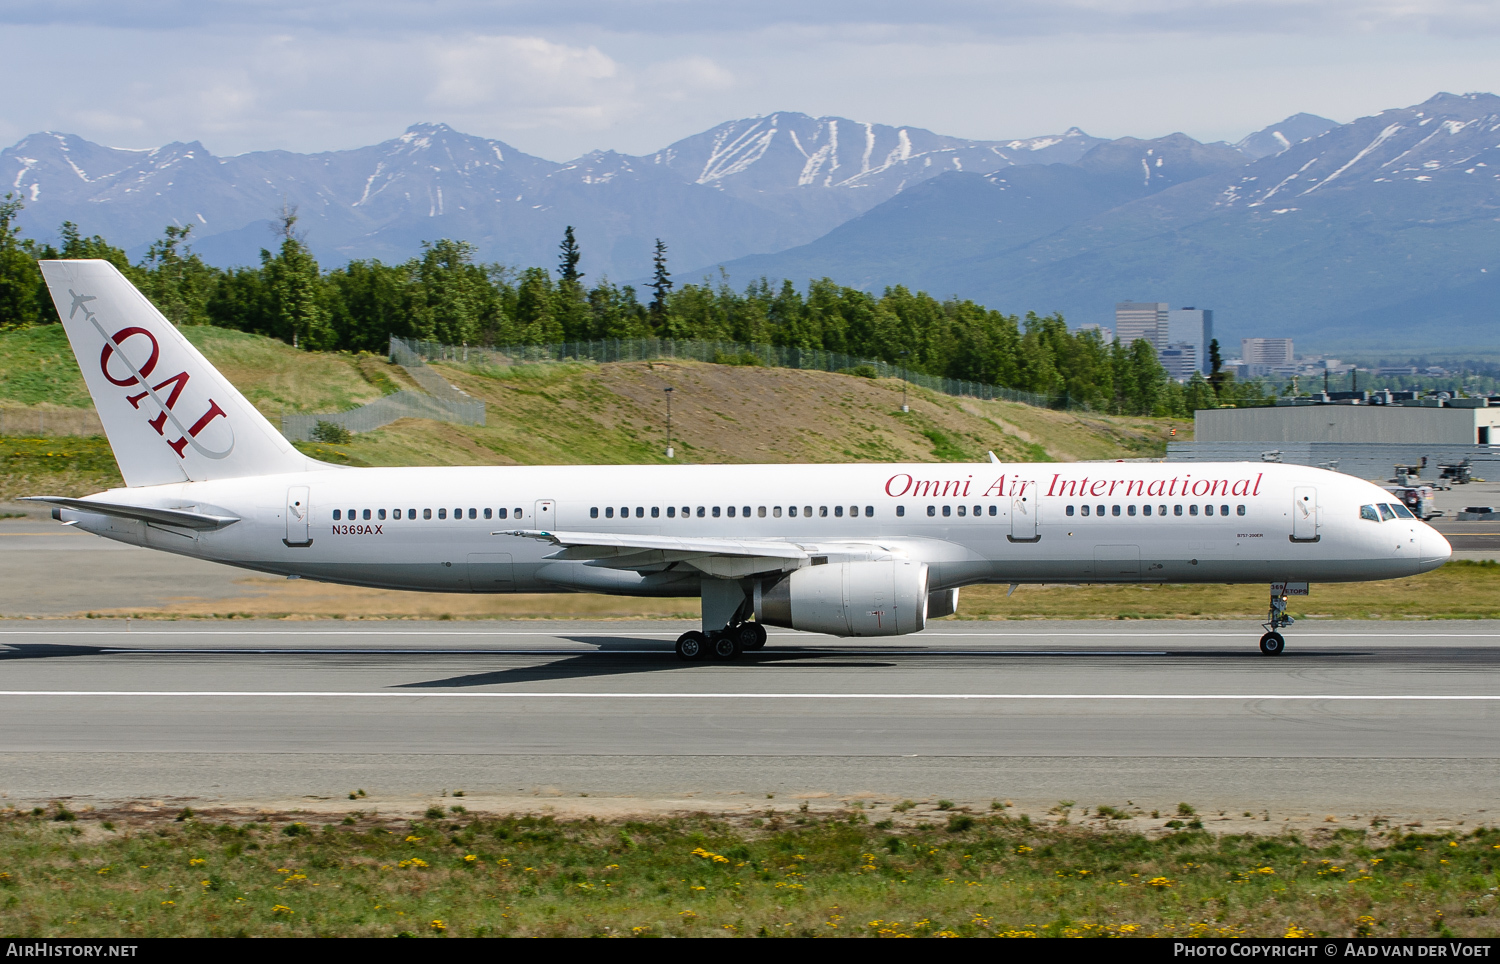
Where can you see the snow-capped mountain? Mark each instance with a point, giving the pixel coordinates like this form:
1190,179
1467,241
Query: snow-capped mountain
1280,137
1383,231
760,184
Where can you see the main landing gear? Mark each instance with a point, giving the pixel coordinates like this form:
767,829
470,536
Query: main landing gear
1273,643
721,644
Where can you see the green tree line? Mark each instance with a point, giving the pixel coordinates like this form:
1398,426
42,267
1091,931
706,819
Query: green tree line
446,295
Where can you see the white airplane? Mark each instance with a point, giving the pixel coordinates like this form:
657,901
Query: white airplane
847,550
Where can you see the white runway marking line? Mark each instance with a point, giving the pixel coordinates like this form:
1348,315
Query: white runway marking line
566,695
654,635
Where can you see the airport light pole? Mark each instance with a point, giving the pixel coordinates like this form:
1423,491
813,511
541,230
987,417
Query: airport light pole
668,390
904,406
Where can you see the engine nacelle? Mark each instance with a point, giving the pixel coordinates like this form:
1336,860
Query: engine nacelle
849,599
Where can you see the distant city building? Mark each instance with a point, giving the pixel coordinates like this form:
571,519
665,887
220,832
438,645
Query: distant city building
1180,360
1192,326
1106,335
1136,320
1270,352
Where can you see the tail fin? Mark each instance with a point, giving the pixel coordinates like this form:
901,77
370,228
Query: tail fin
169,414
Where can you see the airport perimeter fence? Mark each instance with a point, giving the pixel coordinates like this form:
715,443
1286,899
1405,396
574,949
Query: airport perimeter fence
720,352
385,410
36,421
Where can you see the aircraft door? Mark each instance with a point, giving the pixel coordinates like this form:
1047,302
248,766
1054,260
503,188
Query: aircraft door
1304,514
298,517
1024,510
544,515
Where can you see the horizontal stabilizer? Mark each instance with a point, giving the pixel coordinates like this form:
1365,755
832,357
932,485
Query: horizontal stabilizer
182,518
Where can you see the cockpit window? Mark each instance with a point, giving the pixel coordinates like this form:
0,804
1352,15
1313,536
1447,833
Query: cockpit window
1386,512
1368,512
1402,511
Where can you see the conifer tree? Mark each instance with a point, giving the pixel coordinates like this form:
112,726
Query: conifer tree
567,266
661,286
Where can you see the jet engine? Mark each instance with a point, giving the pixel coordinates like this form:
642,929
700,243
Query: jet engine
848,599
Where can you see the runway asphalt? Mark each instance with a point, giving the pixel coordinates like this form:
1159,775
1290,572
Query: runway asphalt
1396,717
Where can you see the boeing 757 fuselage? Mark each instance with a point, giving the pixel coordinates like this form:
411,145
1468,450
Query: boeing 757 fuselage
849,550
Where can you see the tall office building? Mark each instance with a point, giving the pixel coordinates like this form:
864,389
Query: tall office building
1180,360
1266,351
1192,326
1135,320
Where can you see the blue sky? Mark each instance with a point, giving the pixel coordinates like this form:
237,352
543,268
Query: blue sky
560,78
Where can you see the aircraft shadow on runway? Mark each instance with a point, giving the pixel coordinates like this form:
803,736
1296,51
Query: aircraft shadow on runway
606,663
47,650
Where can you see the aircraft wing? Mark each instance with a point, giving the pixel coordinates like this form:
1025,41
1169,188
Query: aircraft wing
182,518
724,558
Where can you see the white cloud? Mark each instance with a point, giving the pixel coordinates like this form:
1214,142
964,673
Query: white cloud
559,78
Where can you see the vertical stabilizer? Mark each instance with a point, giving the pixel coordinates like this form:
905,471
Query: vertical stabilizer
169,414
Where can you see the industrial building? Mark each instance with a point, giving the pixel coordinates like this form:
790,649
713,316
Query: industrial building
1363,433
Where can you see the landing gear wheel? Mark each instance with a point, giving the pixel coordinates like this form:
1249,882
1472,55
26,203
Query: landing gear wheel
724,645
751,636
1272,644
692,646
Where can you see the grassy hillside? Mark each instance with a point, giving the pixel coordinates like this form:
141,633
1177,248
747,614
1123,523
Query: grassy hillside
585,413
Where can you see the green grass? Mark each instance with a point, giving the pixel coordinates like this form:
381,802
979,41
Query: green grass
458,874
63,465
37,367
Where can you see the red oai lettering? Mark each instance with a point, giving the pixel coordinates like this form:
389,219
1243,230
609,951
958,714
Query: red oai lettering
119,339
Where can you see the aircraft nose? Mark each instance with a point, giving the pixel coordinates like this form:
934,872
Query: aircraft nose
1435,550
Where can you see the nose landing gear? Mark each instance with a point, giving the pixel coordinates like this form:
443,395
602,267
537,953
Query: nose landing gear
1273,643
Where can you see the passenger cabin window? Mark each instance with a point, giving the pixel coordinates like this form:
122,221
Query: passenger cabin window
947,510
487,513
1192,510
745,511
716,512
822,511
807,511
1114,510
963,510
1145,510
336,515
1068,510
427,513
518,513
994,510
900,511
791,512
701,511
594,512
776,512
656,512
1368,512
1208,510
671,512
500,513
932,510
731,512
380,514
609,512
1239,510
442,513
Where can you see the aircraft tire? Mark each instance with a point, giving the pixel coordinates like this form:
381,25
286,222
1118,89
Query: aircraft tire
692,646
751,636
1272,644
724,646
